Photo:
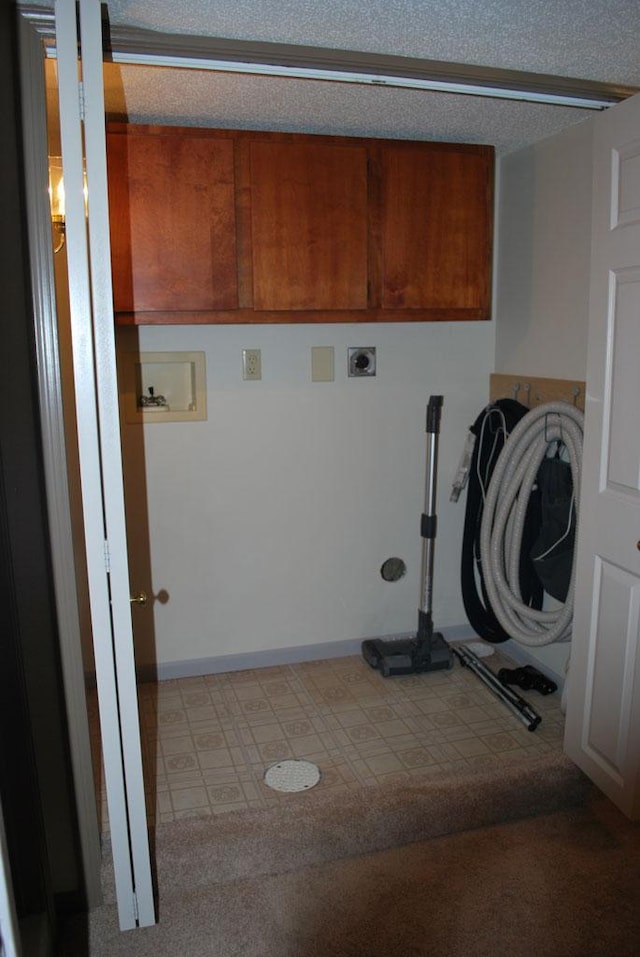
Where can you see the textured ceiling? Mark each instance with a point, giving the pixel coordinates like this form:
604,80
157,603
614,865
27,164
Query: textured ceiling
589,39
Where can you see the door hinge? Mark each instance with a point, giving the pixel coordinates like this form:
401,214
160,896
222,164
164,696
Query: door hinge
136,912
107,556
81,99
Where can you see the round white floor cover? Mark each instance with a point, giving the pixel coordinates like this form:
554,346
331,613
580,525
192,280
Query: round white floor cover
292,776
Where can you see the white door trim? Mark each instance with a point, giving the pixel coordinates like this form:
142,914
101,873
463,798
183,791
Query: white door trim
111,448
100,457
32,87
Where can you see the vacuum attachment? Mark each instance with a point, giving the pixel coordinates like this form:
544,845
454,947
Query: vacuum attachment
527,678
428,651
518,705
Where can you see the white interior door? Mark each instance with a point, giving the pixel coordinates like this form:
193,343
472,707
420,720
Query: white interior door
603,708
82,129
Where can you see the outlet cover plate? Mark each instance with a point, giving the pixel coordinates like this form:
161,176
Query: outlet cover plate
322,364
251,364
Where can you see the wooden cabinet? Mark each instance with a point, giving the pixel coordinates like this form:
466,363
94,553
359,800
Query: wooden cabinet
236,226
435,208
172,215
308,226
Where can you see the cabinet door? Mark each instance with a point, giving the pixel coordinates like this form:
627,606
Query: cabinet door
172,212
309,226
435,229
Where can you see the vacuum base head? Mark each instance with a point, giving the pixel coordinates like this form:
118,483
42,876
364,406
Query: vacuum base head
407,656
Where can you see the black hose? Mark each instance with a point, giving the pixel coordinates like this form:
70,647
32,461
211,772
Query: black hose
489,430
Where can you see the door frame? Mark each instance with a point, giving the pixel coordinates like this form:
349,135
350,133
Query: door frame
96,395
32,34
87,238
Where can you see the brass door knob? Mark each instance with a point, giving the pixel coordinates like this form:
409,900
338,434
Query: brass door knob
139,599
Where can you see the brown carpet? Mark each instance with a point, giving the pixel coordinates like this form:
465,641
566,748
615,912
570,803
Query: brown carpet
313,827
565,882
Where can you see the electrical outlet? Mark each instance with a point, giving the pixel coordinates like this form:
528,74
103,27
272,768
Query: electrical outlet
251,364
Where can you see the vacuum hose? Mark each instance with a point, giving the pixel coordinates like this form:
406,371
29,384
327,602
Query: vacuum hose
513,478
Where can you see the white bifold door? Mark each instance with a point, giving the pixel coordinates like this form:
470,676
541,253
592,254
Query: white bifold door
82,127
603,711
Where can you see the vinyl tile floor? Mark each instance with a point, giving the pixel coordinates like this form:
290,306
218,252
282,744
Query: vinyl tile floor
207,741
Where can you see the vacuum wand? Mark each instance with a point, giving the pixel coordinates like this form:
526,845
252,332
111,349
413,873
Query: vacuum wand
517,704
427,651
429,522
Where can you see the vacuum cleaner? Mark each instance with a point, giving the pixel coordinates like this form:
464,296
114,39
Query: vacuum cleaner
427,651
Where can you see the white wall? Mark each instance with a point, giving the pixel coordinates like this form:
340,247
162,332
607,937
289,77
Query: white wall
267,524
542,269
543,257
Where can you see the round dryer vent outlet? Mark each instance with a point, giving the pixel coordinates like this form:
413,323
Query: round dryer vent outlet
292,776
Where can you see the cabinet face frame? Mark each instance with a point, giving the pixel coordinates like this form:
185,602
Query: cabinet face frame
375,295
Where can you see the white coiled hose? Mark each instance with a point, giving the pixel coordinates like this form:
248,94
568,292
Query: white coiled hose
503,517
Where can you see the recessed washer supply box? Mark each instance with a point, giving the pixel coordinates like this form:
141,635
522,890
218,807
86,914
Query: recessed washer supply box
173,385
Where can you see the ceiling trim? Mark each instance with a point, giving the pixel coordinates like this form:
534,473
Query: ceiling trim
133,45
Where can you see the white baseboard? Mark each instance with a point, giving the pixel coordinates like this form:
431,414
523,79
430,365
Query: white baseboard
193,667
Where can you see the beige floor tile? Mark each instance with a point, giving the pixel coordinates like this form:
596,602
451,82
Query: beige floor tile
307,746
384,764
471,747
220,758
225,794
177,745
187,798
299,728
416,758
208,740
500,742
266,732
181,762
195,698
391,729
172,718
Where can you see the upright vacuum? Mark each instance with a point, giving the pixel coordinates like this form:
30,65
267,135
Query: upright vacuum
427,651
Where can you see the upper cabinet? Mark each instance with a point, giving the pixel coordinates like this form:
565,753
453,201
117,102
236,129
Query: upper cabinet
435,207
308,226
172,214
220,226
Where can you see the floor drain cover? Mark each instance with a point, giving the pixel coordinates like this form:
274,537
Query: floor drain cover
292,776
